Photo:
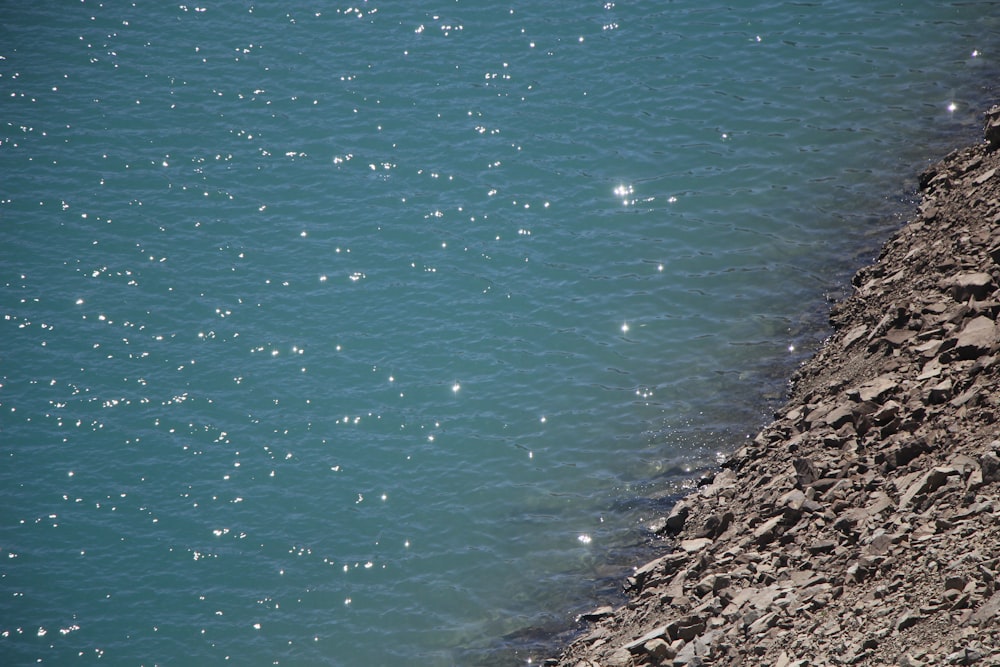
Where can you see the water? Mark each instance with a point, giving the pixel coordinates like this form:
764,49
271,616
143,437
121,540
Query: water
355,336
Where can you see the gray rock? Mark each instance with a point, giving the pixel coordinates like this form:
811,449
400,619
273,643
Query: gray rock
885,414
907,619
641,574
927,483
977,338
659,650
985,176
687,658
970,394
955,583
877,389
940,392
678,515
991,128
695,652
821,547
691,546
990,465
965,656
857,332
965,285
597,614
619,658
987,612
655,526
656,633
839,416
994,254
687,628
805,471
706,585
715,525
898,337
764,533
880,545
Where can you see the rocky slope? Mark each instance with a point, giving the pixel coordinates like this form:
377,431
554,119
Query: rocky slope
863,525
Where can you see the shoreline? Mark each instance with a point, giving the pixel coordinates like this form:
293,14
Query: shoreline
830,538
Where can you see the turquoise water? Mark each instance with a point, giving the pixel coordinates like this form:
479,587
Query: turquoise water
356,335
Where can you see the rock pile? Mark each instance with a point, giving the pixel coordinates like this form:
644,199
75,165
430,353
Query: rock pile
862,527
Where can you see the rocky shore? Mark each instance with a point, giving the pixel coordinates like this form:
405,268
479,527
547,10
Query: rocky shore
862,526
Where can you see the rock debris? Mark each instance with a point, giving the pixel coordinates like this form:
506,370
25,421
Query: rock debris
862,526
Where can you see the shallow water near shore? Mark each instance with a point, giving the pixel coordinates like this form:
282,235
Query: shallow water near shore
357,336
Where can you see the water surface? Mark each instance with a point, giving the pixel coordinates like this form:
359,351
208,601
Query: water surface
356,335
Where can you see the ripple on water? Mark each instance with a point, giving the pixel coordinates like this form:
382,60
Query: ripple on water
334,335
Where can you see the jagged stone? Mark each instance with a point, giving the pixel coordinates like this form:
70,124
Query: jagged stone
764,533
715,525
658,650
805,471
597,614
940,392
687,657
978,337
965,656
678,515
839,416
877,389
926,483
686,628
859,331
991,129
821,547
969,395
898,337
907,619
987,612
696,544
656,633
879,545
618,658
981,178
989,463
886,414
955,583
667,564
994,254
